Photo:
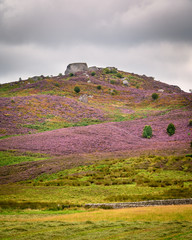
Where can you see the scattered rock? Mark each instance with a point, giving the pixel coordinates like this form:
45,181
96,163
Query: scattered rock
161,90
112,68
83,98
93,69
125,82
76,67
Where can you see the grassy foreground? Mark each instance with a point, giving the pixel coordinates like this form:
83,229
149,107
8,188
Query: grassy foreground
162,222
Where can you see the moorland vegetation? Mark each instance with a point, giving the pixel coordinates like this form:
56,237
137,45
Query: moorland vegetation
129,142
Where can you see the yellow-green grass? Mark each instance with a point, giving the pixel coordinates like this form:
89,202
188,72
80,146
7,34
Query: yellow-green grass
163,222
14,157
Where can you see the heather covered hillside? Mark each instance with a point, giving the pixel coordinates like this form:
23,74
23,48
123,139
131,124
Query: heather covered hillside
47,103
50,124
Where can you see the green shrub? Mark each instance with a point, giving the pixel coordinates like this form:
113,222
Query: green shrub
77,89
71,75
147,131
99,87
112,81
114,92
190,122
119,75
57,85
155,96
93,74
106,70
171,129
191,144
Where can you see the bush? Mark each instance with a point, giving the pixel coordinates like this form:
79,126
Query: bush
155,96
119,75
106,70
190,122
112,81
77,89
99,87
171,129
93,74
147,131
71,75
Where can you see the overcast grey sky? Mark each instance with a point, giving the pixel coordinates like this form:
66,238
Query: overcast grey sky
151,37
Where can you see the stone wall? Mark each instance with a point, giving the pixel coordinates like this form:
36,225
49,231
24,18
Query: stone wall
140,204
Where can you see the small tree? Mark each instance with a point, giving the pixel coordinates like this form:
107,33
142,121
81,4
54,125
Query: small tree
93,74
147,131
71,75
190,122
155,96
171,129
99,87
77,89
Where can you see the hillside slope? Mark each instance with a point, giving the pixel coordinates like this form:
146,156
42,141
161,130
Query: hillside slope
48,103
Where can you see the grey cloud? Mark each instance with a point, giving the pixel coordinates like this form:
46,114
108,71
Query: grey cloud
71,22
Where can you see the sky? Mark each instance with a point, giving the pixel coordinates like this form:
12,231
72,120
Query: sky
151,37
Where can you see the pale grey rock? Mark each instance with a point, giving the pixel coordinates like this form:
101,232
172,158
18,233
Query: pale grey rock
76,67
125,82
83,98
161,90
93,69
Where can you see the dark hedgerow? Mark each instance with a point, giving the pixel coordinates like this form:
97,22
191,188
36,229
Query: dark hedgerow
155,96
171,129
147,131
77,89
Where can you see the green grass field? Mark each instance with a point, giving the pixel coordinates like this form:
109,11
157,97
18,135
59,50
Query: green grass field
165,222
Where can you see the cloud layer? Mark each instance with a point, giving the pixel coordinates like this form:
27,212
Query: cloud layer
142,36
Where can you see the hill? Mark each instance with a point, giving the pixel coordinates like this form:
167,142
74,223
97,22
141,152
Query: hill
63,148
47,103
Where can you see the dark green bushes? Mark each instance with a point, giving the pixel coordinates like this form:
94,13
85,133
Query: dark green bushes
119,75
99,87
147,131
171,129
77,89
155,96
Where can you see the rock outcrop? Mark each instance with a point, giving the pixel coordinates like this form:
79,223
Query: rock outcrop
76,67
93,69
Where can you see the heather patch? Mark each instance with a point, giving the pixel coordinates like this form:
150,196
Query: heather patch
43,112
108,137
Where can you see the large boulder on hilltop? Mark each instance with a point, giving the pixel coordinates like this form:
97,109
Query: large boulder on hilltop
76,67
